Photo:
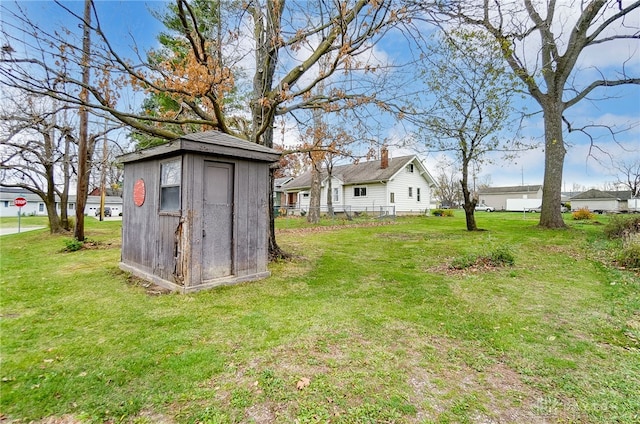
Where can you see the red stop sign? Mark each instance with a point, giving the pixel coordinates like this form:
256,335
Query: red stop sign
20,201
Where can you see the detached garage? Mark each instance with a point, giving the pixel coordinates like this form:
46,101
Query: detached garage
196,212
601,201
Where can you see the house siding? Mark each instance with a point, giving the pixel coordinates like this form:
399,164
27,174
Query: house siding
376,197
399,185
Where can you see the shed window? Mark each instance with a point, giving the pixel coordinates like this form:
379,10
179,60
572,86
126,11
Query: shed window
359,191
170,174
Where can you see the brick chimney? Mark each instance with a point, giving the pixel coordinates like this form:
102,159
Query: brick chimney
384,158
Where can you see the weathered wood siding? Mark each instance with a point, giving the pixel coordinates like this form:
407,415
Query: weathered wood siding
219,233
148,237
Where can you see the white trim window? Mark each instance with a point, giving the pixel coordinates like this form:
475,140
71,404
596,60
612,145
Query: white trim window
170,181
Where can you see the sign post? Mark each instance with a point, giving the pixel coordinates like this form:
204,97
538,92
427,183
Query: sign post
19,202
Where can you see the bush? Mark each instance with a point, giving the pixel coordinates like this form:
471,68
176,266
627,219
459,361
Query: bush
465,261
629,256
502,256
73,245
620,226
442,212
583,213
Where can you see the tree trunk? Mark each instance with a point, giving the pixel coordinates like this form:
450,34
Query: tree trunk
266,30
313,217
329,191
550,214
469,201
83,139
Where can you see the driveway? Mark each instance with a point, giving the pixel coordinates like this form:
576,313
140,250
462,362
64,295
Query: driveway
14,230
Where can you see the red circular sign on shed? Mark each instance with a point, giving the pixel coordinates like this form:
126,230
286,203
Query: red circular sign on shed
20,201
139,192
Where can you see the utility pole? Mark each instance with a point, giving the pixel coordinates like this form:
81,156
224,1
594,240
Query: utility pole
103,173
83,160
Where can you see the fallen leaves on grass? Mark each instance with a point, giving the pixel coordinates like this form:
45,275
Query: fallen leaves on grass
302,383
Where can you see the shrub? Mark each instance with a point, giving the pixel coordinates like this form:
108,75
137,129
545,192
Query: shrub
583,213
620,226
73,245
629,256
465,261
442,212
502,256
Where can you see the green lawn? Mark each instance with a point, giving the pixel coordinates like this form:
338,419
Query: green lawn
367,325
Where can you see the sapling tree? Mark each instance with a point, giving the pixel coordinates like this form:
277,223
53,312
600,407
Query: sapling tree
471,94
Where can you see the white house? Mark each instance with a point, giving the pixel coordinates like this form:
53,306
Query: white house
399,185
35,205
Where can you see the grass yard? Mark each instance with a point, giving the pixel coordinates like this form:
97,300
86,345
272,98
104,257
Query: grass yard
368,324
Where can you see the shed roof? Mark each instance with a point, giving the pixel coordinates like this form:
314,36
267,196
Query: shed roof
208,142
359,173
602,195
510,189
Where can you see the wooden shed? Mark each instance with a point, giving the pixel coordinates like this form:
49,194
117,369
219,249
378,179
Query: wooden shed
196,212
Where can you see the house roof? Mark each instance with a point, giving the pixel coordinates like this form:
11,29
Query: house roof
359,173
209,142
511,189
603,195
279,182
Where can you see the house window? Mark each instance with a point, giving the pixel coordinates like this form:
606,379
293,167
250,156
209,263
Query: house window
418,194
410,168
392,198
336,195
72,206
6,203
305,195
41,207
410,191
359,191
170,178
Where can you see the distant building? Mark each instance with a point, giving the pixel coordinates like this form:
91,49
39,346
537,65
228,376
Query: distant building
35,205
497,196
600,201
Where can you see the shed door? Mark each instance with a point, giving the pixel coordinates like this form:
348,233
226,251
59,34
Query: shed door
217,235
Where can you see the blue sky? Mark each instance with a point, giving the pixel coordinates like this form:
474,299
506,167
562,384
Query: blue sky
125,21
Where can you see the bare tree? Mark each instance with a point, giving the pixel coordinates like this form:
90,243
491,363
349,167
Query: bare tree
543,43
471,105
37,147
200,74
448,189
628,174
